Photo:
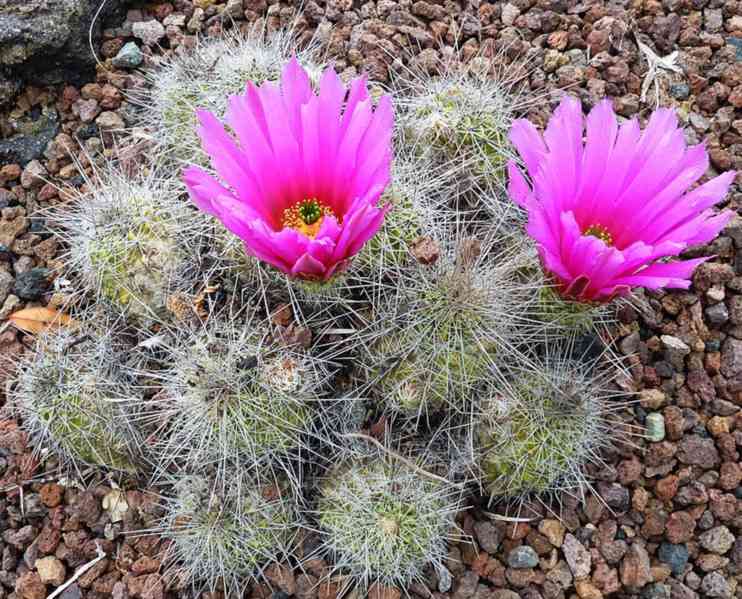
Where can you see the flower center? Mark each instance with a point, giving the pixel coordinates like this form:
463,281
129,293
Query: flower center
600,232
306,216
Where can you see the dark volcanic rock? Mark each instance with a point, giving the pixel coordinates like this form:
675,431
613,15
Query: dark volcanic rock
46,41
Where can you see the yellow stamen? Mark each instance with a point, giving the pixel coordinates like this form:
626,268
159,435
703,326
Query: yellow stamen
600,232
306,216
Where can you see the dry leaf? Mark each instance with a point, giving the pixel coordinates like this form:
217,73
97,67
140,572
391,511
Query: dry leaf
39,320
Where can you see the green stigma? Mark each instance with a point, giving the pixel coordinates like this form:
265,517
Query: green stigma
600,232
309,211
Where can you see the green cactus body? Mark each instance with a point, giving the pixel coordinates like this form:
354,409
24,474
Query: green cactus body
390,247
259,423
425,369
226,540
77,425
555,310
455,122
536,443
134,267
384,522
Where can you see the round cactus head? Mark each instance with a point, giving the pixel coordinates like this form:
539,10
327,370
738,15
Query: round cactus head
134,243
74,397
384,522
206,76
539,430
225,534
442,331
231,397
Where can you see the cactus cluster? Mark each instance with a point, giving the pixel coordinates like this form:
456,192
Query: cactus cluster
443,327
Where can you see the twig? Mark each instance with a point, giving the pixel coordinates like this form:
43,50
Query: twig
79,572
402,459
507,518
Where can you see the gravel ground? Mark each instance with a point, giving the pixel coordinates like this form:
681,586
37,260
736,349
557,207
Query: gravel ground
667,517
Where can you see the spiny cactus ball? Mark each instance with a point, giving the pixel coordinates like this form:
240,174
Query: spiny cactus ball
206,76
230,394
224,534
537,433
459,120
74,397
442,330
383,521
134,243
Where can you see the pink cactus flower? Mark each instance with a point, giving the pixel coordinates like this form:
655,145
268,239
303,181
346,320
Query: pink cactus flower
607,211
301,182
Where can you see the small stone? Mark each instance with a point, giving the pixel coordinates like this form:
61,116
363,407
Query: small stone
51,570
523,557
699,451
129,57
652,399
150,32
32,284
655,423
425,250
110,120
717,314
675,556
578,558
680,527
680,91
29,586
510,12
87,109
553,530
715,584
33,175
675,351
489,536
587,590
635,568
718,540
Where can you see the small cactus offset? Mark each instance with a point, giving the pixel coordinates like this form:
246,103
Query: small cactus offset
383,521
457,124
134,244
445,329
230,397
205,77
225,533
539,429
76,398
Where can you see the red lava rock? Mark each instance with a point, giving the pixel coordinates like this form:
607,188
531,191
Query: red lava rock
29,586
51,494
667,487
145,565
698,451
730,476
635,568
153,587
48,540
724,506
680,527
86,580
